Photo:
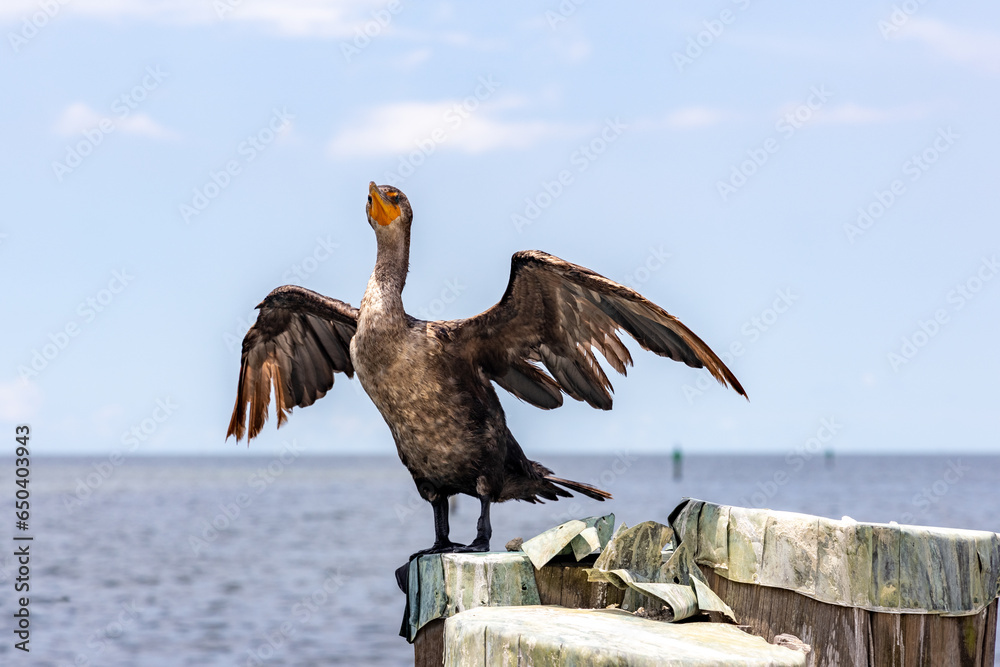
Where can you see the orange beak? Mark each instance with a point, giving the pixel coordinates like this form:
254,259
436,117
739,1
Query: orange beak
381,209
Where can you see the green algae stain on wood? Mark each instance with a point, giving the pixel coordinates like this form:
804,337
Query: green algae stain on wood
442,585
579,537
553,636
876,567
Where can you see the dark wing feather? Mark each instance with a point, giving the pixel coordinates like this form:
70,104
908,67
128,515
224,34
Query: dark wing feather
300,339
555,314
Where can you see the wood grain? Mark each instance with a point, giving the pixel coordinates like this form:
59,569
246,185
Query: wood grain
428,647
851,636
566,585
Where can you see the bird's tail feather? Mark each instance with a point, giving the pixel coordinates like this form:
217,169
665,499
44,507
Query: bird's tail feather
580,487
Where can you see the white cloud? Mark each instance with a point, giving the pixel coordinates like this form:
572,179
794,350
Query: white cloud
464,125
79,117
76,118
690,117
414,58
969,47
327,18
19,401
141,124
685,118
694,117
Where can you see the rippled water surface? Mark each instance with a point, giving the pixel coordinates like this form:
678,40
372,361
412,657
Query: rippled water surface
298,566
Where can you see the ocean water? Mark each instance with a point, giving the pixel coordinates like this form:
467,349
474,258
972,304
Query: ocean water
247,560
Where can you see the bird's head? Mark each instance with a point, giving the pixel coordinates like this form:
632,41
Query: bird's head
388,209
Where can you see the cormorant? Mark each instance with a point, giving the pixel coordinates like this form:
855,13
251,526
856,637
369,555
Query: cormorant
432,381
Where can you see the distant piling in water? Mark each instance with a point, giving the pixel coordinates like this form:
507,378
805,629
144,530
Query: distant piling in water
678,463
828,458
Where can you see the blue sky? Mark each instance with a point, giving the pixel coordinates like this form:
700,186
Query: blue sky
811,188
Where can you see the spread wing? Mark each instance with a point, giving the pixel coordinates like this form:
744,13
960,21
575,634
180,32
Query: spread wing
555,314
300,339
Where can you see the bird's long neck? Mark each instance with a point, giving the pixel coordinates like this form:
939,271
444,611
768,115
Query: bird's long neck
385,287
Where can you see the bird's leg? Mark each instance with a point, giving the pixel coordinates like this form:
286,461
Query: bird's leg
484,531
441,525
441,542
441,529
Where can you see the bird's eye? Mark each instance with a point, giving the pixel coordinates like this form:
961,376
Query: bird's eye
369,200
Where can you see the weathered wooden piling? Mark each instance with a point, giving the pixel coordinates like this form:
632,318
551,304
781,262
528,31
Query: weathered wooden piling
852,636
858,593
853,593
559,585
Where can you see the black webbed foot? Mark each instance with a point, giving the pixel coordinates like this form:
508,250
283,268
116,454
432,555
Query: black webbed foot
446,547
442,545
477,546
